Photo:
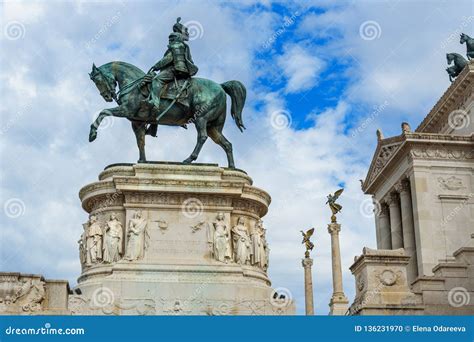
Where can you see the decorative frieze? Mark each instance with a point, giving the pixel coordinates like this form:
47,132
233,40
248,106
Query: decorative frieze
432,152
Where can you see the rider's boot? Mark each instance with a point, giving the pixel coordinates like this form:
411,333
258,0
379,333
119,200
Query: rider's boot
152,130
154,98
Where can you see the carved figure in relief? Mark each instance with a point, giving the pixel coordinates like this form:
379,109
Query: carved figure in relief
242,246
113,249
219,239
94,241
82,242
258,245
30,295
266,259
137,236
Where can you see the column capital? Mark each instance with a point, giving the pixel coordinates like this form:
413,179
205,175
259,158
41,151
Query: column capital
402,186
307,262
334,228
383,209
391,199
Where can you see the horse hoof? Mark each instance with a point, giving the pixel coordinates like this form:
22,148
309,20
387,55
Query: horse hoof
92,136
141,161
188,161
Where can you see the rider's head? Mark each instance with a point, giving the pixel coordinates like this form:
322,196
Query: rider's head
181,29
175,37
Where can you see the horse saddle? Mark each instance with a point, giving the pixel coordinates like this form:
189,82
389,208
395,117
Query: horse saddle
174,90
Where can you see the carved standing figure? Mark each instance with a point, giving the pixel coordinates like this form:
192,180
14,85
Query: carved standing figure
219,237
113,240
94,241
136,237
258,245
242,247
82,242
266,260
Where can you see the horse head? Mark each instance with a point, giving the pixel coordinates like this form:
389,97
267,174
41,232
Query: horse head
104,82
450,58
464,38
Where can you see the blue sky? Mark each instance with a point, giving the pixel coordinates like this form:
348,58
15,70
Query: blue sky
321,76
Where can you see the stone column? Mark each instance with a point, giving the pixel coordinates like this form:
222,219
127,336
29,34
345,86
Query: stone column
384,227
378,234
406,210
339,303
308,286
395,221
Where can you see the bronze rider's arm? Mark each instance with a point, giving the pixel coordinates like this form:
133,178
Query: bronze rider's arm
164,62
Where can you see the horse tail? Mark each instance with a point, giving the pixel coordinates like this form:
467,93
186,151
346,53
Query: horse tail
237,92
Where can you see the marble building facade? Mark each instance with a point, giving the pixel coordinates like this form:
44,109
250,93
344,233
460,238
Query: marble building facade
422,185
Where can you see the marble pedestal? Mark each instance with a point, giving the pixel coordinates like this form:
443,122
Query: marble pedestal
174,268
382,285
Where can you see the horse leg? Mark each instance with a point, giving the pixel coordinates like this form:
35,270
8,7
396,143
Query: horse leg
201,139
139,128
95,125
215,132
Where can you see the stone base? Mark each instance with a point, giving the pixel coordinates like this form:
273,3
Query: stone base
382,286
338,306
177,271
450,291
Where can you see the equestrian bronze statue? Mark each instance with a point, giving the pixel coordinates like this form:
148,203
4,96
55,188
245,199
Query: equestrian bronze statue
458,61
172,97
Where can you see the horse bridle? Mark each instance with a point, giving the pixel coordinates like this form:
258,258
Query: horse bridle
109,88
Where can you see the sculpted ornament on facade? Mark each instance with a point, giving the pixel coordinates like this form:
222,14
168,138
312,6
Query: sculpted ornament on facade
137,237
219,239
451,183
386,152
197,227
162,225
176,199
441,153
29,295
242,245
388,277
113,240
114,199
360,283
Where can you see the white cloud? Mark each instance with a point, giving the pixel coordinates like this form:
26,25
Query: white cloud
405,61
300,68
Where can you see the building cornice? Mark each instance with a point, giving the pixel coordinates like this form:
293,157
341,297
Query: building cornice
415,146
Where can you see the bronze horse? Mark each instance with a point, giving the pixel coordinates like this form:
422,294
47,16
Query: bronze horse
207,106
459,64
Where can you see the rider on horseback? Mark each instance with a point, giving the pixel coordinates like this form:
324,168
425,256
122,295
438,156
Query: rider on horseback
177,63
